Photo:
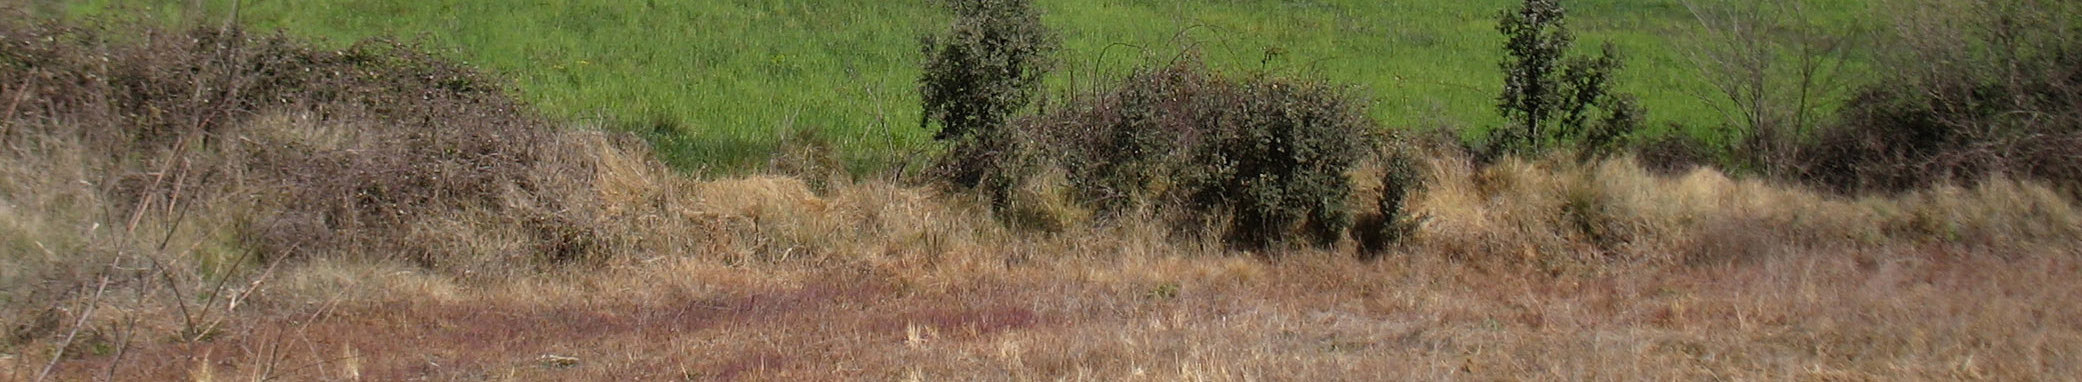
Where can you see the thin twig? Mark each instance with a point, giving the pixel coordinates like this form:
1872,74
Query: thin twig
187,319
275,356
19,97
218,291
27,88
74,333
233,303
145,196
122,347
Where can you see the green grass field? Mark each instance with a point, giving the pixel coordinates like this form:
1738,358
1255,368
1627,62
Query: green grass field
715,82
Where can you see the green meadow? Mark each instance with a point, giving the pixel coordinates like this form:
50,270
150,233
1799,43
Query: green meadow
715,83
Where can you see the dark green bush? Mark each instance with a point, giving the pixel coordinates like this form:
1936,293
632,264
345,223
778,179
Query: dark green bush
1550,98
1401,175
1133,144
1266,155
985,67
995,163
1278,163
1897,139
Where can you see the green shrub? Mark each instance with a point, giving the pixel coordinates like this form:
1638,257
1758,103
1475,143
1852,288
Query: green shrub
1279,168
1266,155
996,163
1550,98
1401,175
1132,145
986,67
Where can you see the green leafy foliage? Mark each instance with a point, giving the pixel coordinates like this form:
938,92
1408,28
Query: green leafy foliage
1268,156
1279,168
1549,97
729,79
986,67
1402,174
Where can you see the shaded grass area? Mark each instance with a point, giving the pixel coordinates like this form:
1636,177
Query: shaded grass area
744,73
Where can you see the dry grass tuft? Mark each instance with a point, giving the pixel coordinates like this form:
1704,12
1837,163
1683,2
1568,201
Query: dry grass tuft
1560,216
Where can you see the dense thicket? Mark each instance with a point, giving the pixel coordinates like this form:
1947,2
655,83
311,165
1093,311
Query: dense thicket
344,150
984,67
1268,156
1973,89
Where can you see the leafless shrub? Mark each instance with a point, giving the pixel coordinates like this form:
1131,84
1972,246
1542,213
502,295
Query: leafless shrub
1674,154
1775,71
1974,89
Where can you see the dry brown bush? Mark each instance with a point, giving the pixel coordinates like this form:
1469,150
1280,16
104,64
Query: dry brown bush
162,165
363,151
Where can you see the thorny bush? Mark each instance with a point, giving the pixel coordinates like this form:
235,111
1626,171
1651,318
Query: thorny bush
380,137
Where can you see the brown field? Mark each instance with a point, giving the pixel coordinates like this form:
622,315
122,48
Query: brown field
761,278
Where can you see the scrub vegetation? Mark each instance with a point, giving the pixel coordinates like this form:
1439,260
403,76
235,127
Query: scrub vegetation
1242,190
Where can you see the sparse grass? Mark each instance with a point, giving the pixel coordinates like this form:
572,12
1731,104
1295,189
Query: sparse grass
715,83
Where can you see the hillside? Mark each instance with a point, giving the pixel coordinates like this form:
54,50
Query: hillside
723,80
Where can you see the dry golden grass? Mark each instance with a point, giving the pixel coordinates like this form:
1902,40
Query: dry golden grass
1541,270
1559,215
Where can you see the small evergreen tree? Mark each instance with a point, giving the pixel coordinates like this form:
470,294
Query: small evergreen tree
985,67
1549,97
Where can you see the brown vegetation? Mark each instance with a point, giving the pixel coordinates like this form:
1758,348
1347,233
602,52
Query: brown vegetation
330,240
759,277
1977,89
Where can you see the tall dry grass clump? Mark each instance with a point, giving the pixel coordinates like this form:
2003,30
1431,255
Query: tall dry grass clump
1556,214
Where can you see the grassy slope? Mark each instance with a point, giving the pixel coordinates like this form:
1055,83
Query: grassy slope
714,74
